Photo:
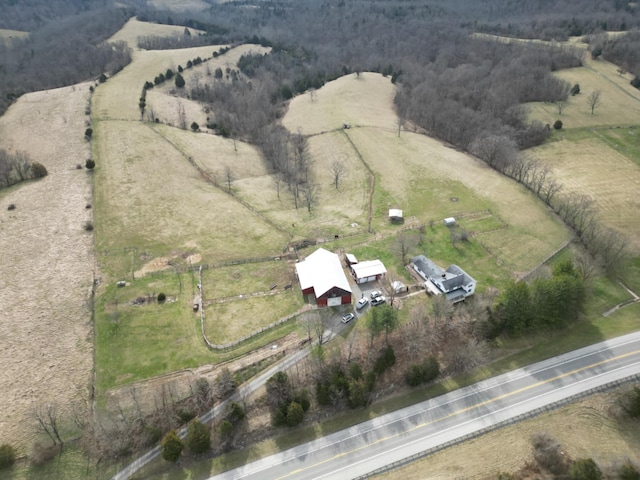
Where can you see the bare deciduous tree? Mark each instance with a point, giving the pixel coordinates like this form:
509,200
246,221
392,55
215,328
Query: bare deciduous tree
561,104
311,194
405,242
228,175
46,418
338,169
182,116
594,99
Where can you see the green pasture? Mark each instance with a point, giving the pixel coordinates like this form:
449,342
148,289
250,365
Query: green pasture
237,318
246,279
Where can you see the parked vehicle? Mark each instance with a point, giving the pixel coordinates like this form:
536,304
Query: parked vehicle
348,317
378,301
362,303
375,294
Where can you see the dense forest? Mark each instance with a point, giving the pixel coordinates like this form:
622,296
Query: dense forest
62,52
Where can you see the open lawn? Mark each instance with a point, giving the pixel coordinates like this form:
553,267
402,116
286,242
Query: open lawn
238,318
246,279
46,262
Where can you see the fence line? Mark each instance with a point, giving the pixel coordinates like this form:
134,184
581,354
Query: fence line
235,343
555,252
505,423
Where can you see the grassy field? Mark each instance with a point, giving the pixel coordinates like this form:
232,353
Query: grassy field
366,100
602,164
134,28
46,262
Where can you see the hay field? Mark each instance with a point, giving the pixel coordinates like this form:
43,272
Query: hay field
134,28
585,429
366,100
46,262
423,176
589,166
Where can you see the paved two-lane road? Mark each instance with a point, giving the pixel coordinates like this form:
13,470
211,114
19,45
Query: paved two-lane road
371,445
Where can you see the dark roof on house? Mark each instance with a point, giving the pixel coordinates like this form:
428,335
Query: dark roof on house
448,281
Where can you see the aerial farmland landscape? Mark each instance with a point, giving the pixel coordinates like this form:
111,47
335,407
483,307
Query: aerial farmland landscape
364,239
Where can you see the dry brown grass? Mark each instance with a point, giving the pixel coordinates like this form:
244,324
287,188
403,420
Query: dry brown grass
620,102
180,5
585,429
366,100
7,35
46,262
173,208
590,167
134,28
337,209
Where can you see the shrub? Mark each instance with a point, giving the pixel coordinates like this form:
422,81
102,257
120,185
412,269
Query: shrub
89,164
575,89
295,414
198,437
7,455
12,206
322,393
151,435
102,78
38,170
88,226
631,402
628,471
635,82
302,397
355,371
179,81
235,412
548,454
161,298
41,454
88,133
386,360
185,414
195,127
585,469
171,446
226,429
78,166
558,125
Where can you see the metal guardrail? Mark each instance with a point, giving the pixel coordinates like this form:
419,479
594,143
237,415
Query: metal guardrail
519,418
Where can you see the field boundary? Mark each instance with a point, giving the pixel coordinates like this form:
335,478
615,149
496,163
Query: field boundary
517,419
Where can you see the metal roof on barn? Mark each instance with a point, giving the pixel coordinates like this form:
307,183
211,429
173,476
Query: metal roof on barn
322,271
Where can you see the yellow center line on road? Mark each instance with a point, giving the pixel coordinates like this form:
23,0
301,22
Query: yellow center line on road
463,410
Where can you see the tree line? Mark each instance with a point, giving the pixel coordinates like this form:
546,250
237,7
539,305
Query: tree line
17,167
